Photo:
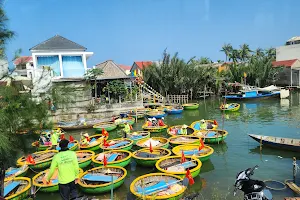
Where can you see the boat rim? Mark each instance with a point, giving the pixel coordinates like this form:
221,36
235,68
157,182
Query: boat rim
87,151
113,162
144,149
178,157
155,127
24,189
132,185
105,184
38,152
144,139
216,130
177,136
87,147
179,147
118,148
11,177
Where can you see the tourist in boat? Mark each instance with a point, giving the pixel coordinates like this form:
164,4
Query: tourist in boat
203,124
184,129
54,138
126,129
161,122
148,123
43,140
68,171
85,139
154,121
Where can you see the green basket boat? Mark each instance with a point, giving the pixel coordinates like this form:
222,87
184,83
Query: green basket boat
184,140
117,144
119,158
42,159
176,130
146,158
138,135
193,151
39,181
40,147
154,129
212,136
158,186
196,124
190,106
73,146
17,188
231,107
108,126
96,140
16,172
156,142
101,179
84,158
173,165
130,121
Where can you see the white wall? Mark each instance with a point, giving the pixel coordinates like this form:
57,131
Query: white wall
3,68
288,52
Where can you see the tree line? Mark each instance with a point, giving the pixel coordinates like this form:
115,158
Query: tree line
174,75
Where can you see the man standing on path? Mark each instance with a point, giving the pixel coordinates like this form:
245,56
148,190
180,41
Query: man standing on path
68,171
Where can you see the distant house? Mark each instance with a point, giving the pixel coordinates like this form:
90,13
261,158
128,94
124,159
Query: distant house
112,71
290,74
126,68
58,59
24,66
138,66
288,56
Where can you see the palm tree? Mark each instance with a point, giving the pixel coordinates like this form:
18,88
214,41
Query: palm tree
271,53
259,52
227,49
234,55
244,52
5,33
205,60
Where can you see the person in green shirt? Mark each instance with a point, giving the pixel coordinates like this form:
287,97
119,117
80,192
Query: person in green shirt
184,130
203,124
68,171
126,129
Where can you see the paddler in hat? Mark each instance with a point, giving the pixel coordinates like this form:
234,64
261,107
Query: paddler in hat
85,139
183,130
54,138
126,129
68,171
203,124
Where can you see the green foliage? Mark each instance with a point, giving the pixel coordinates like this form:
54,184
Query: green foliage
5,33
116,89
92,74
61,95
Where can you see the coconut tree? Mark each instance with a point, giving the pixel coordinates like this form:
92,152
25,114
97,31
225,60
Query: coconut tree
5,33
227,49
244,52
234,55
259,52
205,60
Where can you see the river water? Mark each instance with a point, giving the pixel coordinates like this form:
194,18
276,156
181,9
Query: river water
267,117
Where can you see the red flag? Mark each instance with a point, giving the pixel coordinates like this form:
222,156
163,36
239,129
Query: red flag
105,143
104,161
201,146
151,149
189,176
105,133
71,139
30,159
130,127
37,143
62,137
215,122
182,157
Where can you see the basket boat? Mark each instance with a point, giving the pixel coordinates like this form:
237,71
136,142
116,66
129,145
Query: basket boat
154,129
95,141
174,111
101,179
190,106
146,158
41,147
158,186
184,140
74,125
196,125
84,158
108,126
73,146
17,188
156,142
42,159
16,172
119,158
173,165
39,181
156,114
212,136
193,150
176,130
118,144
138,135
130,121
232,107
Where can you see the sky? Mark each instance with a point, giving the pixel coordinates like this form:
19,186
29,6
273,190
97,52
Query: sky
139,30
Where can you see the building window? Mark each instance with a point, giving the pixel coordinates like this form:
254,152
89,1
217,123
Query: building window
52,63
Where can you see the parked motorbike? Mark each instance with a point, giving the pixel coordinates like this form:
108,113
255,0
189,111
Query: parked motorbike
253,189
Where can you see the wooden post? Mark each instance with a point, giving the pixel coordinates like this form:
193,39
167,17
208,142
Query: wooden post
260,144
294,169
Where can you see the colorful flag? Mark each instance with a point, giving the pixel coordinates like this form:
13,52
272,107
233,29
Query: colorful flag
71,139
104,161
201,146
182,157
189,176
151,149
30,159
104,132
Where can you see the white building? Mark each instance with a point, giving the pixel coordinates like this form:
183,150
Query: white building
57,59
24,66
288,56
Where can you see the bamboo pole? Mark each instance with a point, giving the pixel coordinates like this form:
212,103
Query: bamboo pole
260,144
294,169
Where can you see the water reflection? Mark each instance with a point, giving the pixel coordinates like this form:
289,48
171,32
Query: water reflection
207,166
220,148
272,152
